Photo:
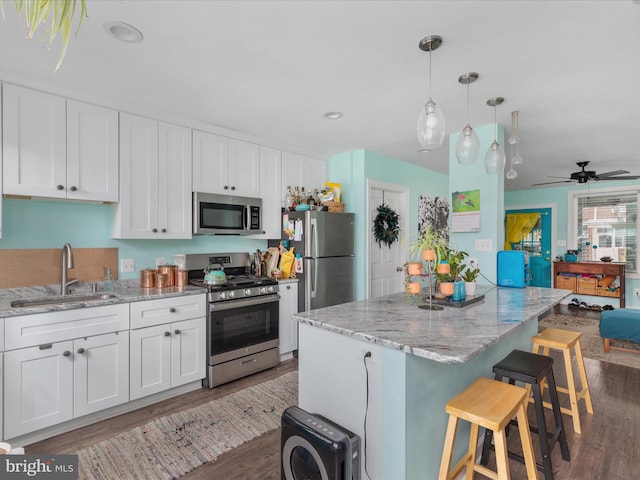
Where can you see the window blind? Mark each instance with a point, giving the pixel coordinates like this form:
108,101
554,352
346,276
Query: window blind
608,227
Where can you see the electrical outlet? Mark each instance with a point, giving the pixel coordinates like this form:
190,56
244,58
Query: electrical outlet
473,263
160,261
127,265
484,245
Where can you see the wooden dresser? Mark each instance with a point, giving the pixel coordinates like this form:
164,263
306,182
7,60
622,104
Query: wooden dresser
589,286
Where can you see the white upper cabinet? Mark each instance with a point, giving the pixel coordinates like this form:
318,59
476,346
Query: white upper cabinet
226,166
271,191
92,152
57,148
155,180
301,171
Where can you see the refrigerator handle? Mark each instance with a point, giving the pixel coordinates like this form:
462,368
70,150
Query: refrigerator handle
313,277
314,239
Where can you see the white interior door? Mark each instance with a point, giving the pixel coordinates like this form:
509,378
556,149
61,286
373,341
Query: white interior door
385,265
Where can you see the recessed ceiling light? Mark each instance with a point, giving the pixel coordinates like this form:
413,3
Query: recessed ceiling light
123,32
332,115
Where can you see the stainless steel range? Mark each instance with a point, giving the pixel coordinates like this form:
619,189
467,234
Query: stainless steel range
242,318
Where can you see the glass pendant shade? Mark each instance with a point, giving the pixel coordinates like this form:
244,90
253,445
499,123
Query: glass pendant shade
431,126
467,146
511,174
495,159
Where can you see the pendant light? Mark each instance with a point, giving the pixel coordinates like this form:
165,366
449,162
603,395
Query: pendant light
431,125
514,139
495,159
468,144
512,174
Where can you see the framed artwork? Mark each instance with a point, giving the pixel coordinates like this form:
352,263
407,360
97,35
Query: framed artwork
433,211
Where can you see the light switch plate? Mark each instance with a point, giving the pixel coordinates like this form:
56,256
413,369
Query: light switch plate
484,245
127,265
160,261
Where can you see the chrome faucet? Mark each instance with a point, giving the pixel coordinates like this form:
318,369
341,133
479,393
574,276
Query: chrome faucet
67,262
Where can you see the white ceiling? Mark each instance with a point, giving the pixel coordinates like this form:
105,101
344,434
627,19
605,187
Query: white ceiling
272,68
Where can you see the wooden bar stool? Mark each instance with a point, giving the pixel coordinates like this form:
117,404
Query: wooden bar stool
490,404
533,369
565,340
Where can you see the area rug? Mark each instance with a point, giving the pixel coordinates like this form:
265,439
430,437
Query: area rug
172,446
591,342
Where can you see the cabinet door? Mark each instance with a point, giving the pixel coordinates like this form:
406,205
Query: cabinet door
100,372
244,168
210,163
307,172
150,361
174,181
34,143
288,326
137,211
271,191
92,152
38,386
188,351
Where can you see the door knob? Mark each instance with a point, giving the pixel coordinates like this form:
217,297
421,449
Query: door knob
547,258
398,269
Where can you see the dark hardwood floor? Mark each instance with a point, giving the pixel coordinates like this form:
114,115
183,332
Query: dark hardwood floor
607,449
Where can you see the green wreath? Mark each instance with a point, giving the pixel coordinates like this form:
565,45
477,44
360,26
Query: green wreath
385,226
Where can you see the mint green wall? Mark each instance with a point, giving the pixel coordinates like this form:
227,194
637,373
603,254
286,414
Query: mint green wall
474,177
353,169
34,223
557,197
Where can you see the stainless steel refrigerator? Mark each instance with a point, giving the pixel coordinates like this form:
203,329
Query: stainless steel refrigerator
327,249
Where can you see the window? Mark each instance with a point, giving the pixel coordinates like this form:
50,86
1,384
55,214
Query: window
606,226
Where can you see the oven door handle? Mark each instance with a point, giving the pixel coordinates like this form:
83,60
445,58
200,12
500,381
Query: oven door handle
218,306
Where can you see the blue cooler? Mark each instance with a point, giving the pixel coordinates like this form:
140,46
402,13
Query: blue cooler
513,269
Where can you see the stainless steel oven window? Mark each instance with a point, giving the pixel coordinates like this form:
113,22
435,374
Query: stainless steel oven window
241,323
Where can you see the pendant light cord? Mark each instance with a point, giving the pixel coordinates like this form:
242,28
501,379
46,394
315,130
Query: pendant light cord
467,103
429,72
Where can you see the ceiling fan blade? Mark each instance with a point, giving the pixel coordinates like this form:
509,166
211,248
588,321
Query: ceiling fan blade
549,183
628,177
553,176
608,174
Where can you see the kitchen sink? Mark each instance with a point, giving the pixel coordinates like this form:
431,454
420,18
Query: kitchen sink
60,299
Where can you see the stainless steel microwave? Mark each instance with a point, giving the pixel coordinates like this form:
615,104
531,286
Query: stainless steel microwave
226,215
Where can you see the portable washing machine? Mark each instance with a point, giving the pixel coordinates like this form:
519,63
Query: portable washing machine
513,269
314,447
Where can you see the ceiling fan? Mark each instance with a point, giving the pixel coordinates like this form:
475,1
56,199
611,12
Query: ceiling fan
584,176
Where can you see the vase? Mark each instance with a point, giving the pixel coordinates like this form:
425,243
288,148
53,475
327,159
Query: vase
413,287
414,269
428,255
459,293
446,288
470,288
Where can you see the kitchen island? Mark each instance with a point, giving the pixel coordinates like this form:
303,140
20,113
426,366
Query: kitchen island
419,359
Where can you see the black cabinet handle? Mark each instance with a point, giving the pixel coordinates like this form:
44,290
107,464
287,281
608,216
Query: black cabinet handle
233,188
60,187
172,310
226,187
154,230
164,230
176,331
66,353
81,350
167,334
73,189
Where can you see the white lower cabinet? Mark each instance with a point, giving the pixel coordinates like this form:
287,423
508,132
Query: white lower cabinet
53,383
170,349
288,327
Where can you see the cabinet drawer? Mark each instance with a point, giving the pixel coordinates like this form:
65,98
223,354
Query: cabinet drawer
593,268
612,269
166,310
43,328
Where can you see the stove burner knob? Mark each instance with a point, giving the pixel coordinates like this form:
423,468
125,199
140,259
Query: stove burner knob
263,290
270,289
247,292
231,294
223,295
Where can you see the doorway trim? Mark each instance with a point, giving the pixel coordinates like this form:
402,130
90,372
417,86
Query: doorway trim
404,212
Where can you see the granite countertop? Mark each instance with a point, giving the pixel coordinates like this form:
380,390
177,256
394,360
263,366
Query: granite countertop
453,335
125,291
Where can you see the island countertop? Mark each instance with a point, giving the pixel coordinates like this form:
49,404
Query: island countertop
453,335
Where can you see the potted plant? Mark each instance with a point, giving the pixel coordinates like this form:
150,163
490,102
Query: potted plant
431,245
469,275
446,278
411,286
